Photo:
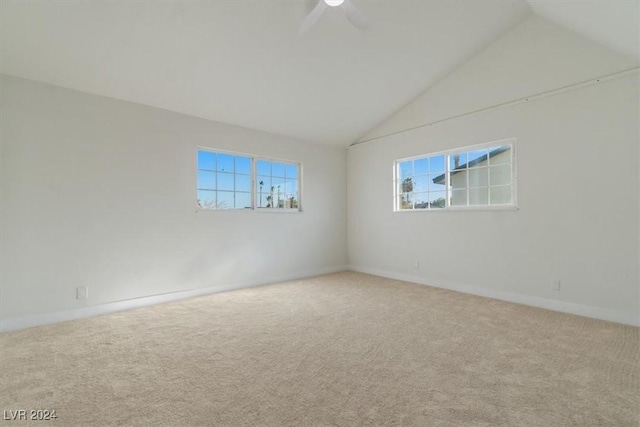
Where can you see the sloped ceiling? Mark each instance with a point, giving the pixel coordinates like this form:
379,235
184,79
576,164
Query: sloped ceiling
537,56
244,63
612,23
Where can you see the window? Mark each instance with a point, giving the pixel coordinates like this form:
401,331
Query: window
226,181
277,185
482,175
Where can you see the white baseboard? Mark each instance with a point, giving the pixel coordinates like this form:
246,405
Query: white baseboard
95,310
549,304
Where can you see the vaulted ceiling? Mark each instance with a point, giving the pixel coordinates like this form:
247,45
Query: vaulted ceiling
613,23
245,63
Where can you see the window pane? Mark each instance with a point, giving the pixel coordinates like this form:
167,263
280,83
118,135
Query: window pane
291,171
420,167
459,198
243,165
225,163
277,169
278,200
278,184
500,175
264,200
436,183
500,155
458,161
264,183
421,183
206,160
421,200
459,179
243,183
500,195
225,200
406,201
478,177
290,186
270,196
243,200
206,180
207,199
477,158
406,186
437,180
436,164
405,170
436,200
478,196
291,201
263,167
225,181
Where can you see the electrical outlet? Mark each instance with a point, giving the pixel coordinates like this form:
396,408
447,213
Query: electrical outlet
555,284
82,292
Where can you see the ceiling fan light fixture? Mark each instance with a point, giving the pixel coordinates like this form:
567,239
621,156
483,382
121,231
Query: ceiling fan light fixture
353,15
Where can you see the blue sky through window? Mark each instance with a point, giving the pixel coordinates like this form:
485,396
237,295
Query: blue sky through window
225,182
276,184
206,160
481,176
423,193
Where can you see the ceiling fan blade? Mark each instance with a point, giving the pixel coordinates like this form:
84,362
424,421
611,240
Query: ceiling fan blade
354,15
313,17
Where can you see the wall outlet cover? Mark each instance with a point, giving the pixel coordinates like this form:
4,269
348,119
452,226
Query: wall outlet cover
82,292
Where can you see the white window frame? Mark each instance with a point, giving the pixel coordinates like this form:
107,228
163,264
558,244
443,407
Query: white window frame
254,194
447,154
255,180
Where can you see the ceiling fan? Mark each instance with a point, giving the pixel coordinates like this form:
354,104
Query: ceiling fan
354,16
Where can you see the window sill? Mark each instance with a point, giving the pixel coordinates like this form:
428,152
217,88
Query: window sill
250,211
464,208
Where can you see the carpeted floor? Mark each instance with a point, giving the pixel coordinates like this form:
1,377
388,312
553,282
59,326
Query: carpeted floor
344,349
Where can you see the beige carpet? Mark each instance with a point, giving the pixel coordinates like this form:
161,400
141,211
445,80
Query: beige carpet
344,349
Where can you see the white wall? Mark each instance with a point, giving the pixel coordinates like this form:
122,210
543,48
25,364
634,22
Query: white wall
578,187
102,193
533,57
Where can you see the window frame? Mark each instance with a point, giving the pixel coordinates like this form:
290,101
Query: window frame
254,194
448,190
298,164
